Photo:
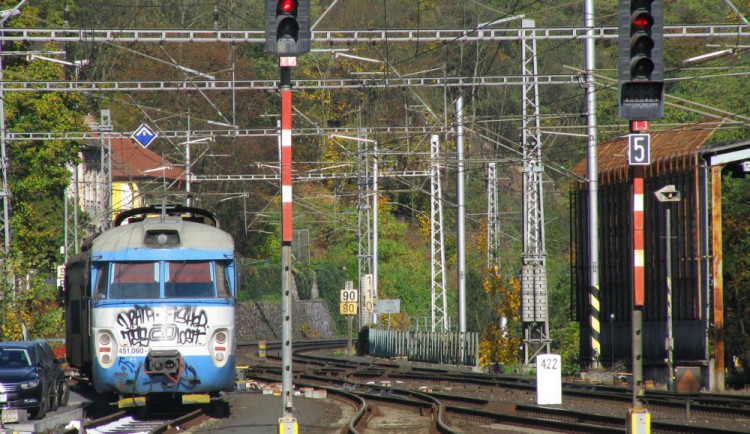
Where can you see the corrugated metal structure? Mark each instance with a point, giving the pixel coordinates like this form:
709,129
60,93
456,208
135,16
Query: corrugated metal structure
428,347
675,159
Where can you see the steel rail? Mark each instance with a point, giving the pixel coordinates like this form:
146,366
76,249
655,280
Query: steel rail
409,399
709,406
704,405
531,417
156,427
528,416
101,421
181,422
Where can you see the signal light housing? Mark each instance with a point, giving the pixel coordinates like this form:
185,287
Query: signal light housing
287,6
287,27
640,87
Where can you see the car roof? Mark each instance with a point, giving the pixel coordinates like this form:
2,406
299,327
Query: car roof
16,344
24,344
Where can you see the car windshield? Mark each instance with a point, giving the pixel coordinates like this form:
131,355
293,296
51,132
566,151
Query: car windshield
14,358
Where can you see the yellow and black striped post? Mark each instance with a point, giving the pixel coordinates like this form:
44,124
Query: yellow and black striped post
596,346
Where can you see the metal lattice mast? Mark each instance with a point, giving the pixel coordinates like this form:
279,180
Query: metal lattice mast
493,220
104,189
71,217
437,268
364,221
533,268
5,192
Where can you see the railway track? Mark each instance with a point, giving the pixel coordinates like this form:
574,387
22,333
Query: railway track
142,421
449,400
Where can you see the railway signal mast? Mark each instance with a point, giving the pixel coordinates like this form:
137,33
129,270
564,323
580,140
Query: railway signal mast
287,25
640,85
640,98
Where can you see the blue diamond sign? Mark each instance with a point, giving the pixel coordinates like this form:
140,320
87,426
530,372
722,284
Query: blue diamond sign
144,135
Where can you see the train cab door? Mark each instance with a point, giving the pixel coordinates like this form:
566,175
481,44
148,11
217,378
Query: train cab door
78,317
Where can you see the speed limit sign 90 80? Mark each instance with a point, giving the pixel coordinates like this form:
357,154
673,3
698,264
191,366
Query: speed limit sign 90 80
349,299
639,149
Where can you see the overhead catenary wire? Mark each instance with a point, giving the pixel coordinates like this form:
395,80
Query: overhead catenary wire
512,141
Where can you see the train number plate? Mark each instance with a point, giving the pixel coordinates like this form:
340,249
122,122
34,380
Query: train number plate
129,351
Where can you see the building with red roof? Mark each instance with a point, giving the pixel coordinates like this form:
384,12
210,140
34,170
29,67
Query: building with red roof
121,172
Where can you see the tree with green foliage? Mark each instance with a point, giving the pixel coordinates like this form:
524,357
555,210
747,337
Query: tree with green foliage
38,175
38,170
34,311
328,208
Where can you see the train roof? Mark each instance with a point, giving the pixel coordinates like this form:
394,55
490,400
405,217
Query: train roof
189,213
192,235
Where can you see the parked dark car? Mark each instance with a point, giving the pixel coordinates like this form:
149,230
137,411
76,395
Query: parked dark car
31,378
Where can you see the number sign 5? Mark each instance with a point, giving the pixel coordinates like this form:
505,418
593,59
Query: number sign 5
639,149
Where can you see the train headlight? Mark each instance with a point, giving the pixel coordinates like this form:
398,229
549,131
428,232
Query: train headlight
104,339
221,337
219,347
106,348
162,239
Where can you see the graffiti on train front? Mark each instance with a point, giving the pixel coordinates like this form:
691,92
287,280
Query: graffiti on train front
141,325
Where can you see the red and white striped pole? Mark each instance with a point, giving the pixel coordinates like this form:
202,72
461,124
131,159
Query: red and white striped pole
638,416
286,165
639,279
287,423
638,243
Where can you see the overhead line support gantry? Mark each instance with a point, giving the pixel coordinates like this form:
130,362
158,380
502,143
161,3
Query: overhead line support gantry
344,36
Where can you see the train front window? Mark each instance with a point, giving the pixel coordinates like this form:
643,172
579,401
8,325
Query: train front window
222,280
102,280
147,280
190,279
134,280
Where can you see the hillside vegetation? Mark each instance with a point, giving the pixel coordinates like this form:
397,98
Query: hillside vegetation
328,209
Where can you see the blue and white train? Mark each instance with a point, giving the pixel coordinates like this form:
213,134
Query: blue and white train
150,305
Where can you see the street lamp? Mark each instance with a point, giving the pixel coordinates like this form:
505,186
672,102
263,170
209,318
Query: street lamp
667,195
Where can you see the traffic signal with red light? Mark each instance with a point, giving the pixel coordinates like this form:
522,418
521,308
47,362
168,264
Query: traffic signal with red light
288,27
640,87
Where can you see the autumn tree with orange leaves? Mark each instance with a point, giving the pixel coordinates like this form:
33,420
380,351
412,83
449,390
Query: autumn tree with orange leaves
501,340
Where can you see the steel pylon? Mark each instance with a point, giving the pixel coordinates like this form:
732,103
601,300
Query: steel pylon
533,268
437,251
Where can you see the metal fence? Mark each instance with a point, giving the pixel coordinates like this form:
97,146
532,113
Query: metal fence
423,323
426,346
